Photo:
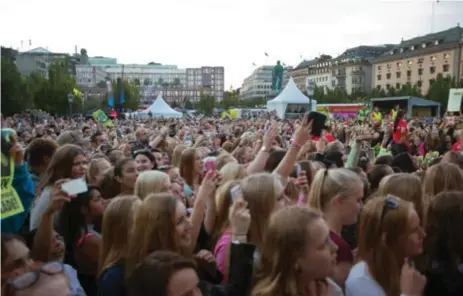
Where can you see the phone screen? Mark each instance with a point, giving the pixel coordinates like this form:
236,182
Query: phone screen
75,187
318,122
236,192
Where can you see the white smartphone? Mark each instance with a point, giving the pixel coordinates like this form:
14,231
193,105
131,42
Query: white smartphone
236,192
75,186
298,169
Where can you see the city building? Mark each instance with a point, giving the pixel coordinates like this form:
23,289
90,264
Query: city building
419,60
8,53
320,73
175,84
90,76
259,83
37,60
352,70
300,73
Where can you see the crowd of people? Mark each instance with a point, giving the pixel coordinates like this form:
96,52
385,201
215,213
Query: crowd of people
258,206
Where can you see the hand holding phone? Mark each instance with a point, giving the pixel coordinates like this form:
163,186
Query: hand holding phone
318,122
210,165
236,193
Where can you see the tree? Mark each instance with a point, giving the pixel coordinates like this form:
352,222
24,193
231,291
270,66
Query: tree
230,99
176,83
147,82
14,95
160,81
188,104
439,90
206,104
131,94
136,81
102,84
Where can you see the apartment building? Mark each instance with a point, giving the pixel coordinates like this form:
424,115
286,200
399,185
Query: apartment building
352,70
319,72
175,84
38,60
300,73
419,60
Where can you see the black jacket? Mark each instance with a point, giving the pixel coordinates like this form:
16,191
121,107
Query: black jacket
239,275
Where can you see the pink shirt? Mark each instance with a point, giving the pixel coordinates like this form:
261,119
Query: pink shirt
221,251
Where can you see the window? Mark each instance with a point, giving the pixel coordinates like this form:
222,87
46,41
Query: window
432,69
446,68
378,87
398,74
379,68
397,85
409,73
378,77
420,71
388,76
431,81
419,83
388,86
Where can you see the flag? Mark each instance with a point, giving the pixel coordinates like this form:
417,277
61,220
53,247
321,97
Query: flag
266,54
254,64
110,93
30,42
77,93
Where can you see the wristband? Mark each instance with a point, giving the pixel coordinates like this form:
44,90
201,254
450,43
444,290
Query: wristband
295,145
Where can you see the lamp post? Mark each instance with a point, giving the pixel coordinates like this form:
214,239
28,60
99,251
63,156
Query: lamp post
70,100
310,92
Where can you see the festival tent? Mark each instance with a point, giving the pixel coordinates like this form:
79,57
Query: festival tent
290,100
413,106
160,108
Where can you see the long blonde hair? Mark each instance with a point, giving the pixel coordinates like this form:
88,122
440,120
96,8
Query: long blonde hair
285,242
327,184
150,182
117,225
154,229
383,223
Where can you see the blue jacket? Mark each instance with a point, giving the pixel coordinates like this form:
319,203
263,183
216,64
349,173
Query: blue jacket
25,188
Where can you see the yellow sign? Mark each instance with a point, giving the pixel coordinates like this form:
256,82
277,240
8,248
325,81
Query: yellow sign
11,203
102,118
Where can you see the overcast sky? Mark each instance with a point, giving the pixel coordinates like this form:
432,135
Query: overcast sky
230,33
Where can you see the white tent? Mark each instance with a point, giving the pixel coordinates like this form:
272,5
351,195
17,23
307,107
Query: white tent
290,100
160,108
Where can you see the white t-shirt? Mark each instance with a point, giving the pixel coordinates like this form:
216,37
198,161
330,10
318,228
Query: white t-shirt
360,282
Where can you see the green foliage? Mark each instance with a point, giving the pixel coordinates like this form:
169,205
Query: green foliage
188,105
330,96
14,92
206,104
439,90
230,99
131,94
253,103
102,84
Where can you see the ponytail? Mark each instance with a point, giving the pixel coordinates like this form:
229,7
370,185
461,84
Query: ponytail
316,190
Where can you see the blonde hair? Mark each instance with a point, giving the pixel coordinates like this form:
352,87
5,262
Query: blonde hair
177,155
328,183
383,223
154,229
286,240
117,226
442,177
95,169
223,159
232,171
406,186
259,191
149,182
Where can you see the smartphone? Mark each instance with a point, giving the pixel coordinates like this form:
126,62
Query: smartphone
298,169
210,165
75,186
318,122
236,193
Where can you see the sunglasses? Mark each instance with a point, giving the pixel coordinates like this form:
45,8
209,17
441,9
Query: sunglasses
390,202
27,279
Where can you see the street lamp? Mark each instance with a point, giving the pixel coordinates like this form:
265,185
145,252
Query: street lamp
70,100
310,92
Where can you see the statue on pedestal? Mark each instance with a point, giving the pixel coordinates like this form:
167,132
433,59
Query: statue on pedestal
277,77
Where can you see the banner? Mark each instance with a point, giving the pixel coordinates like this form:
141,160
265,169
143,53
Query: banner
102,118
454,101
11,203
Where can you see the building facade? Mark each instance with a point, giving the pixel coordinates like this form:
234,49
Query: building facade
418,61
300,74
38,60
259,83
352,70
319,72
90,76
175,84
